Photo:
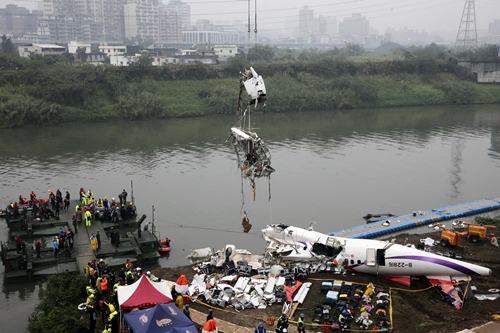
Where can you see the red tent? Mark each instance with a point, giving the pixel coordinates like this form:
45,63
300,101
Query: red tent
143,294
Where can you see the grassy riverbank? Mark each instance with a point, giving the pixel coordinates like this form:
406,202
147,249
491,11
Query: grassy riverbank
41,93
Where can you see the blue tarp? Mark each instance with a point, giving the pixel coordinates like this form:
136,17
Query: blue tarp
162,318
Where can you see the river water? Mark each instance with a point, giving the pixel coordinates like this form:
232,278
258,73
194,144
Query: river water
331,168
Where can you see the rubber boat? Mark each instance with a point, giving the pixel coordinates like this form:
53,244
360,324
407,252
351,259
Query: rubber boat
164,249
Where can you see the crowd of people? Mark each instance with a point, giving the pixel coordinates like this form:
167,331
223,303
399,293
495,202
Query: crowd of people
41,209
102,291
50,207
86,211
90,209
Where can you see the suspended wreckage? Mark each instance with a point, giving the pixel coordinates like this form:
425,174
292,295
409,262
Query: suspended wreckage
254,158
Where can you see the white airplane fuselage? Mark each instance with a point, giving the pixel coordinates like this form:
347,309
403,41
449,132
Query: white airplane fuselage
373,256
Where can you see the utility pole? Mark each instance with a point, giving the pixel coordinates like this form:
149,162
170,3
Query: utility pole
467,32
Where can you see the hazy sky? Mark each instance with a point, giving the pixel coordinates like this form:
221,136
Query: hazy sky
428,15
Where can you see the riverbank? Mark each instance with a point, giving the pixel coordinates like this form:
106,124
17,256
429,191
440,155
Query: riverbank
415,309
63,94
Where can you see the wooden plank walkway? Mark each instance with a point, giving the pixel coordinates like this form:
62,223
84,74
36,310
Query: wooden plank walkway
402,222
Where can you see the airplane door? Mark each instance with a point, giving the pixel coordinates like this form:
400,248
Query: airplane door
370,257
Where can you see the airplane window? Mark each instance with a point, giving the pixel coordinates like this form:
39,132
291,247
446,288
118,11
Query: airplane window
352,262
359,262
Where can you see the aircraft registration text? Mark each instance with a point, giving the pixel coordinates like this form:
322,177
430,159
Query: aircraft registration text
400,264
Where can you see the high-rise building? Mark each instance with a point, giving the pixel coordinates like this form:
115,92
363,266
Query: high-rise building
494,28
17,20
175,17
83,20
141,19
306,23
355,28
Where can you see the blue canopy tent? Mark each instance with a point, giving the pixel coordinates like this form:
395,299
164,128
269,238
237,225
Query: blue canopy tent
162,318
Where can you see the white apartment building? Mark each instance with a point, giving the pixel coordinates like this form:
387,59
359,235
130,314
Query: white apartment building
141,19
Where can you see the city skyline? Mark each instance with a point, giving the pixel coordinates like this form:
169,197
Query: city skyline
428,15
315,23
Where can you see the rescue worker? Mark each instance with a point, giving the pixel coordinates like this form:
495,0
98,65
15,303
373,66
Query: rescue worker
70,237
56,215
67,249
260,328
128,264
300,324
179,301
98,237
210,326
282,323
38,247
55,243
90,300
113,318
79,215
117,238
103,307
104,287
130,210
88,218
100,203
90,290
75,223
105,203
15,207
59,199
114,215
32,196
88,269
89,194
130,278
19,242
84,199
210,315
112,236
93,242
123,212
123,197
165,241
342,321
92,317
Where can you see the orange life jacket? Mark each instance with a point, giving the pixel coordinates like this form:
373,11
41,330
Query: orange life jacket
104,285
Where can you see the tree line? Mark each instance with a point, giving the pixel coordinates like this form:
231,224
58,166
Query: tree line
45,90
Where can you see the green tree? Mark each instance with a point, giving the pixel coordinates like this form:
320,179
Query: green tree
81,53
66,58
7,46
57,311
261,53
144,61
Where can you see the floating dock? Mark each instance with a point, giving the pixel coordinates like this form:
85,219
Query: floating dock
417,219
139,249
